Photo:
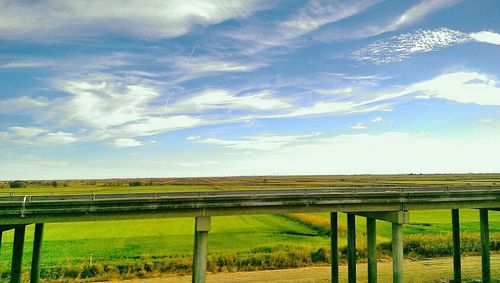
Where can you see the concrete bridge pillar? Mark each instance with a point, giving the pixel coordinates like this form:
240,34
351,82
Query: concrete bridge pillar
485,245
457,266
334,246
397,218
397,253
202,226
37,252
17,254
351,248
371,240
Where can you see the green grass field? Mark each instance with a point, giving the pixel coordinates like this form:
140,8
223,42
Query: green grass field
236,242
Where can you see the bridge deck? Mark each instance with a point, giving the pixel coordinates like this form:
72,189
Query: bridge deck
98,207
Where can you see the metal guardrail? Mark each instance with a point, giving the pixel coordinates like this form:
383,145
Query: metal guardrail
61,208
249,193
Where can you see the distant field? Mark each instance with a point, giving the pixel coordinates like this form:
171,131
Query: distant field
148,247
240,183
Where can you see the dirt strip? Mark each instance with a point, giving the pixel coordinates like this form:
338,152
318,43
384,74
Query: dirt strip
433,270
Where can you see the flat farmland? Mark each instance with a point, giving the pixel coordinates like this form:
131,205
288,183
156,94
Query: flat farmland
92,251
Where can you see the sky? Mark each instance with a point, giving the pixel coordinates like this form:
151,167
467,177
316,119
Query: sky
116,89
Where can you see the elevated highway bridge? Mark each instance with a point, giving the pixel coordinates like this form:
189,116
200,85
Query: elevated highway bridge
392,204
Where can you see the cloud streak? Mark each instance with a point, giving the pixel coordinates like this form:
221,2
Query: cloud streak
402,47
407,18
259,142
157,19
37,136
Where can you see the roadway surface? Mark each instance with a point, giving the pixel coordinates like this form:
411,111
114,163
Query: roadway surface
98,207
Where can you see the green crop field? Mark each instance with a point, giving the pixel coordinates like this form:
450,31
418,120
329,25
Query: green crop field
141,248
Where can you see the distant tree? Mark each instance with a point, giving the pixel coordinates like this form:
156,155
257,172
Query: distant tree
55,184
17,184
135,183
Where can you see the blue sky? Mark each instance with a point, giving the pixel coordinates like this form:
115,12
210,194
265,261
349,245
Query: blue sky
99,89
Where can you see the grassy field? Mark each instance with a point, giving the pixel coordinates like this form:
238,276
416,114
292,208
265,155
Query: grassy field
142,248
422,271
241,183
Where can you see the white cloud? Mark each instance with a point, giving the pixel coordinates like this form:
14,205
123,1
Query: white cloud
22,104
154,125
205,64
487,37
100,107
358,77
287,33
401,47
36,136
26,132
321,107
318,13
420,11
343,91
124,143
410,16
359,126
462,87
259,142
225,99
377,120
58,138
102,102
23,64
362,154
158,19
338,154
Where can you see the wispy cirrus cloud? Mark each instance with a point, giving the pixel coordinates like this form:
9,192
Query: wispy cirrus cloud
287,32
420,11
258,142
20,104
37,136
206,65
118,110
359,126
402,47
211,99
157,19
319,13
407,18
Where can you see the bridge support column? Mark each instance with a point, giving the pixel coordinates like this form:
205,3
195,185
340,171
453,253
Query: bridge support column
17,254
351,247
334,246
202,226
485,245
37,248
371,234
397,253
457,266
397,218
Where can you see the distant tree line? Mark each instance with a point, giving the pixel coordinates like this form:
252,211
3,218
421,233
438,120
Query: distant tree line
17,184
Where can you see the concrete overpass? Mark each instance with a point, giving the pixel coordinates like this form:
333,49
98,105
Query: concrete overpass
376,203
